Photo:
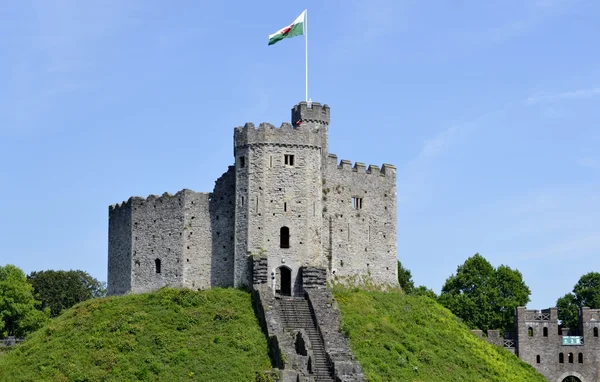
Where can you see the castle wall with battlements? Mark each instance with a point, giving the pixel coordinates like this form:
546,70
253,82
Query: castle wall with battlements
539,342
554,351
285,197
359,211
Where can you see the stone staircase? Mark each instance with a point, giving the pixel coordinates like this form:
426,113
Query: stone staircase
296,314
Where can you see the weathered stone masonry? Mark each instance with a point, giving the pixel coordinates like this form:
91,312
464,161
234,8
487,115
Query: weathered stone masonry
538,340
285,197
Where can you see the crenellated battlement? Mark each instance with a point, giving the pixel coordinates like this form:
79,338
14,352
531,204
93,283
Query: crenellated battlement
359,167
286,134
310,113
136,201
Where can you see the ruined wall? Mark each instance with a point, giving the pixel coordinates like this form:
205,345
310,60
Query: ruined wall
275,192
119,248
359,210
158,227
542,348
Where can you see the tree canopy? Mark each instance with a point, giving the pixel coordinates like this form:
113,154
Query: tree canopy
19,313
586,292
408,286
405,279
484,297
59,290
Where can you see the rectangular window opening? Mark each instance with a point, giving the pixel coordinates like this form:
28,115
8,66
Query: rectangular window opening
288,159
284,206
242,200
357,203
271,161
242,162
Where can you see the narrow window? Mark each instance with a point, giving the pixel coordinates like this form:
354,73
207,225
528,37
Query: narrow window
242,201
357,203
284,237
157,265
271,161
288,159
595,332
257,204
545,332
348,231
314,209
284,206
537,358
242,162
570,357
561,358
580,358
530,332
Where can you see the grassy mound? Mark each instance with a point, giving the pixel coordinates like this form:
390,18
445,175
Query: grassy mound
409,338
170,335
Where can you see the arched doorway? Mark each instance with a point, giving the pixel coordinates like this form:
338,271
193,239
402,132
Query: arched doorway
571,376
284,281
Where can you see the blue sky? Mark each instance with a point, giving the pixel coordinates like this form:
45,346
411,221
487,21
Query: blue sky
490,110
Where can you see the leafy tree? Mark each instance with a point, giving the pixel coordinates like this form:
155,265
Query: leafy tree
19,314
405,279
585,293
422,290
59,290
408,285
484,297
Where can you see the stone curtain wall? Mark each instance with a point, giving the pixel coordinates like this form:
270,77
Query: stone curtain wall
190,233
158,228
360,239
119,248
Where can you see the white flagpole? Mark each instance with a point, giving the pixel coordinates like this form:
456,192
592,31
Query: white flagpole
306,48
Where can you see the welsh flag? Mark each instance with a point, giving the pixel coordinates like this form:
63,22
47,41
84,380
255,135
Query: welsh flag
294,29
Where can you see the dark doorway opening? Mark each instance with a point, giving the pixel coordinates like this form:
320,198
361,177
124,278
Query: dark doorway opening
285,281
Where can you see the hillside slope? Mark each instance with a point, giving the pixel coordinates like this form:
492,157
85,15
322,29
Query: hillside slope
410,338
178,335
170,335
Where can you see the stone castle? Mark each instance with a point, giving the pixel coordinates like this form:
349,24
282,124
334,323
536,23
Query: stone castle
556,352
286,197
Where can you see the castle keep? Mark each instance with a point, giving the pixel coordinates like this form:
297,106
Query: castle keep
285,199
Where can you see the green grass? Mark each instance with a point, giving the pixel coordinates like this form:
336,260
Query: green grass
170,335
180,335
396,337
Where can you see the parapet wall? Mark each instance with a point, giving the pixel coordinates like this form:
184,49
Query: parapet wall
359,211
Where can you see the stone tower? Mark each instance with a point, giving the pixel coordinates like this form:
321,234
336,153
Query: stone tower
279,187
